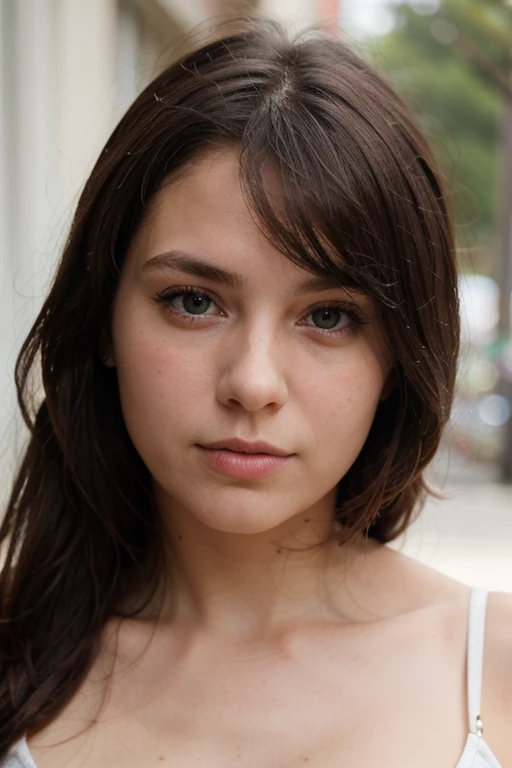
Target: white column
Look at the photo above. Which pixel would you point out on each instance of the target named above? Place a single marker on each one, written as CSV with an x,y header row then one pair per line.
x,y
28,118
34,148
7,257
86,60
128,56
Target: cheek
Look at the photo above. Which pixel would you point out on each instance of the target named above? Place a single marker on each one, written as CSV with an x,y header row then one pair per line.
x,y
352,389
342,405
159,378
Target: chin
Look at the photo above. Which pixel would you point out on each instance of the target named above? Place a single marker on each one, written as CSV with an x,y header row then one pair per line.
x,y
239,523
234,510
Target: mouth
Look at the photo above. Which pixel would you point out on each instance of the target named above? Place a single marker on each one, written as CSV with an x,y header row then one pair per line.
x,y
235,445
225,459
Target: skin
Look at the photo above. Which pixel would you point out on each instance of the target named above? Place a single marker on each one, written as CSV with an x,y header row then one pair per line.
x,y
259,656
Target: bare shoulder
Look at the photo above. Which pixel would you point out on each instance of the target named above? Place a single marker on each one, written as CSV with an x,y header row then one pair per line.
x,y
71,727
497,676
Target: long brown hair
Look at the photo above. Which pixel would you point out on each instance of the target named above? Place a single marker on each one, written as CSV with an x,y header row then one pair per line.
x,y
362,200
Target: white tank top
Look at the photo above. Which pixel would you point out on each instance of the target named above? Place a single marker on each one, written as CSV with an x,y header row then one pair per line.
x,y
476,752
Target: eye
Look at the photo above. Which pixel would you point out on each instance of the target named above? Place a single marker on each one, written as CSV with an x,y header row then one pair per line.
x,y
327,318
336,318
193,303
187,302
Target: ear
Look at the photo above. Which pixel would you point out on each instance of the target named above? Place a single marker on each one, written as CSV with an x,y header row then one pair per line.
x,y
389,385
105,351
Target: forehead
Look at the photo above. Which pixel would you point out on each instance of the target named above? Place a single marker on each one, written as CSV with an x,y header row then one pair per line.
x,y
211,185
203,210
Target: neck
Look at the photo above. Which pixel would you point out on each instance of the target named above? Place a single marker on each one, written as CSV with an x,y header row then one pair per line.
x,y
241,586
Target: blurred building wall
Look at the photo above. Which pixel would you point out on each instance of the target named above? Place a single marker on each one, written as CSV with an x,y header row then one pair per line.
x,y
68,71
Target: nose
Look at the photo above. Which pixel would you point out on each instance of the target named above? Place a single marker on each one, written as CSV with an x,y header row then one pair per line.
x,y
252,372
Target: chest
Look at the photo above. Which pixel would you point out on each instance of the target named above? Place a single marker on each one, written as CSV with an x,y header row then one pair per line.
x,y
328,703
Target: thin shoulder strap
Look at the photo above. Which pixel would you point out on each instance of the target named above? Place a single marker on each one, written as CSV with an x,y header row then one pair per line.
x,y
475,657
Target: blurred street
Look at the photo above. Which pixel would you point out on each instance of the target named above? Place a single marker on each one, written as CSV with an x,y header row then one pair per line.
x,y
469,534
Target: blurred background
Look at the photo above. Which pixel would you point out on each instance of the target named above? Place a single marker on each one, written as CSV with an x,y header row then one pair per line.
x,y
70,68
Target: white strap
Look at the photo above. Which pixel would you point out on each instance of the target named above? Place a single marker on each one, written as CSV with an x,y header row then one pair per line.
x,y
476,631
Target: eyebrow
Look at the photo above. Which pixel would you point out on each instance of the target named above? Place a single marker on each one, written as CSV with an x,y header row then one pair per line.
x,y
192,265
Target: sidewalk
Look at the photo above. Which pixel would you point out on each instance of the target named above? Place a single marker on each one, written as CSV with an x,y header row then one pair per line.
x,y
469,534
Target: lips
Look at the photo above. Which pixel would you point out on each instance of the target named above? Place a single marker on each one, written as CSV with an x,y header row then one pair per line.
x,y
240,460
243,446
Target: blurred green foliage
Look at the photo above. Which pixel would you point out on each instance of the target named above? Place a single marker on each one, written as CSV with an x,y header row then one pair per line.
x,y
453,66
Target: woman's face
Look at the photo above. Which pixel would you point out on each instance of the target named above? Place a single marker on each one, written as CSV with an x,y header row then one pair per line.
x,y
215,337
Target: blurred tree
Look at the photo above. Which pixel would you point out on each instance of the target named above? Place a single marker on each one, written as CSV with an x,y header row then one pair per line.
x,y
483,37
459,109
454,58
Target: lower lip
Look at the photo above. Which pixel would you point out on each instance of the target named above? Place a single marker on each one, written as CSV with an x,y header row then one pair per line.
x,y
245,466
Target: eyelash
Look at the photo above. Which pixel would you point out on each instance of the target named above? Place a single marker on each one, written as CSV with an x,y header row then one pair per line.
x,y
356,317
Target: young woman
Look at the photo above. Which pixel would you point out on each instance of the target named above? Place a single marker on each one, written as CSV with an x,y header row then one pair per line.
x,y
248,356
